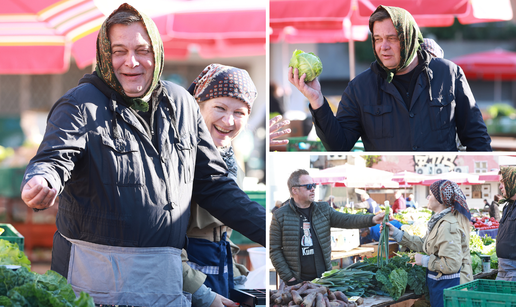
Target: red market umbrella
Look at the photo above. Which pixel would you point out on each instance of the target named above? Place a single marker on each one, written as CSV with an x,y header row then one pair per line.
x,y
489,176
40,37
233,29
406,178
496,64
330,21
458,178
348,175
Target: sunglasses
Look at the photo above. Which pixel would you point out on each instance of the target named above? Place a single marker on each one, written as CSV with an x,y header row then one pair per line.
x,y
308,186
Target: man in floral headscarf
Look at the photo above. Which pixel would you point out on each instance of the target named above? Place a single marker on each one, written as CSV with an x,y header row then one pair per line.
x,y
409,99
127,152
506,238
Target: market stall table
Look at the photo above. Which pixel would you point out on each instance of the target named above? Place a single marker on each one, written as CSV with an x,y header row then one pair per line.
x,y
382,301
355,253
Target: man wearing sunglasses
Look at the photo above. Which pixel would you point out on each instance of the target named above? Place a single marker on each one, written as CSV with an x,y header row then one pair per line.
x,y
300,238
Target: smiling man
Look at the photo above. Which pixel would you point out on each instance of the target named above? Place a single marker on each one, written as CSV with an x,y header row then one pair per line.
x,y
408,100
300,238
127,153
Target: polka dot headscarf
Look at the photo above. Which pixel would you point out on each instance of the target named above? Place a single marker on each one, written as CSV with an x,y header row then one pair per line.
x,y
218,80
449,194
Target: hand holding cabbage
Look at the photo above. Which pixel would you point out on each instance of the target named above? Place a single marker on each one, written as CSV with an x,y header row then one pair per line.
x,y
306,63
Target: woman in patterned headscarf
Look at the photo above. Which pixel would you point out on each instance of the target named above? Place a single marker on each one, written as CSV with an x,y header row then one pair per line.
x,y
446,243
505,239
225,95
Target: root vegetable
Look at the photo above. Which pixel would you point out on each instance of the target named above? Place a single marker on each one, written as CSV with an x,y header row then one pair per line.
x,y
341,296
309,300
296,297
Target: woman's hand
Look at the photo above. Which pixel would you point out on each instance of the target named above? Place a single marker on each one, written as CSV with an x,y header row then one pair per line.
x,y
391,227
311,90
221,301
276,124
419,259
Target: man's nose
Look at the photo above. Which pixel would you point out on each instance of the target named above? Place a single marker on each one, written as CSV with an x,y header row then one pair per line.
x,y
131,60
385,44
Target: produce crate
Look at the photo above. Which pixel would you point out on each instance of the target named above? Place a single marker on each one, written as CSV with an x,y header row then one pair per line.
x,y
10,181
481,292
12,235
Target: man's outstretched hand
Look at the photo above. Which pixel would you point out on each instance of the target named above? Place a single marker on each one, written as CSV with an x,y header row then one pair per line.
x,y
37,194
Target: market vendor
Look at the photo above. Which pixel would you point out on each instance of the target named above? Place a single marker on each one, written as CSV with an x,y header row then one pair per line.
x,y
126,153
505,239
226,114
446,243
300,237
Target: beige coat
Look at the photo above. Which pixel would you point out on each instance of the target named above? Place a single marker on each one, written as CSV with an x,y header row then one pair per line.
x,y
447,246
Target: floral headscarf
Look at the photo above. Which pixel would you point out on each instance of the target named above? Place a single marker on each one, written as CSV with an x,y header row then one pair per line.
x,y
218,80
408,33
509,181
451,196
104,66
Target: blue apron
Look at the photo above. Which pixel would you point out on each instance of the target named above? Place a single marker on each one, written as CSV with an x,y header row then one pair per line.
x,y
437,286
215,260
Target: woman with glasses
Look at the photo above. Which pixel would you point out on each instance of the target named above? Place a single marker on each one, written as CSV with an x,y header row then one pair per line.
x,y
225,96
300,236
446,244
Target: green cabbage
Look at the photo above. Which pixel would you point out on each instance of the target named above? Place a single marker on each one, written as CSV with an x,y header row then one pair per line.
x,y
22,288
306,63
10,254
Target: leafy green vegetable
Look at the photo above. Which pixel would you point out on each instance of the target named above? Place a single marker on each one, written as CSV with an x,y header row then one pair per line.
x,y
417,280
476,264
306,63
399,279
24,288
10,254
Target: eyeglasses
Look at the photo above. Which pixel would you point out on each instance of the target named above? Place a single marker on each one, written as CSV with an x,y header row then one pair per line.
x,y
308,186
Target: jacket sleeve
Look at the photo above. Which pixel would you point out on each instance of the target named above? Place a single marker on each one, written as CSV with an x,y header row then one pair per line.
x,y
63,144
220,195
276,251
337,133
471,128
350,221
192,279
449,246
414,243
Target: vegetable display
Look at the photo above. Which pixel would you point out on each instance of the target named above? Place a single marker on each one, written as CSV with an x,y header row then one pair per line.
x,y
25,288
366,278
306,63
10,254
486,223
308,294
482,246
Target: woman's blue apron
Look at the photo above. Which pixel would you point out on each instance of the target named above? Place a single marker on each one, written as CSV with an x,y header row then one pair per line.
x,y
215,260
436,286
